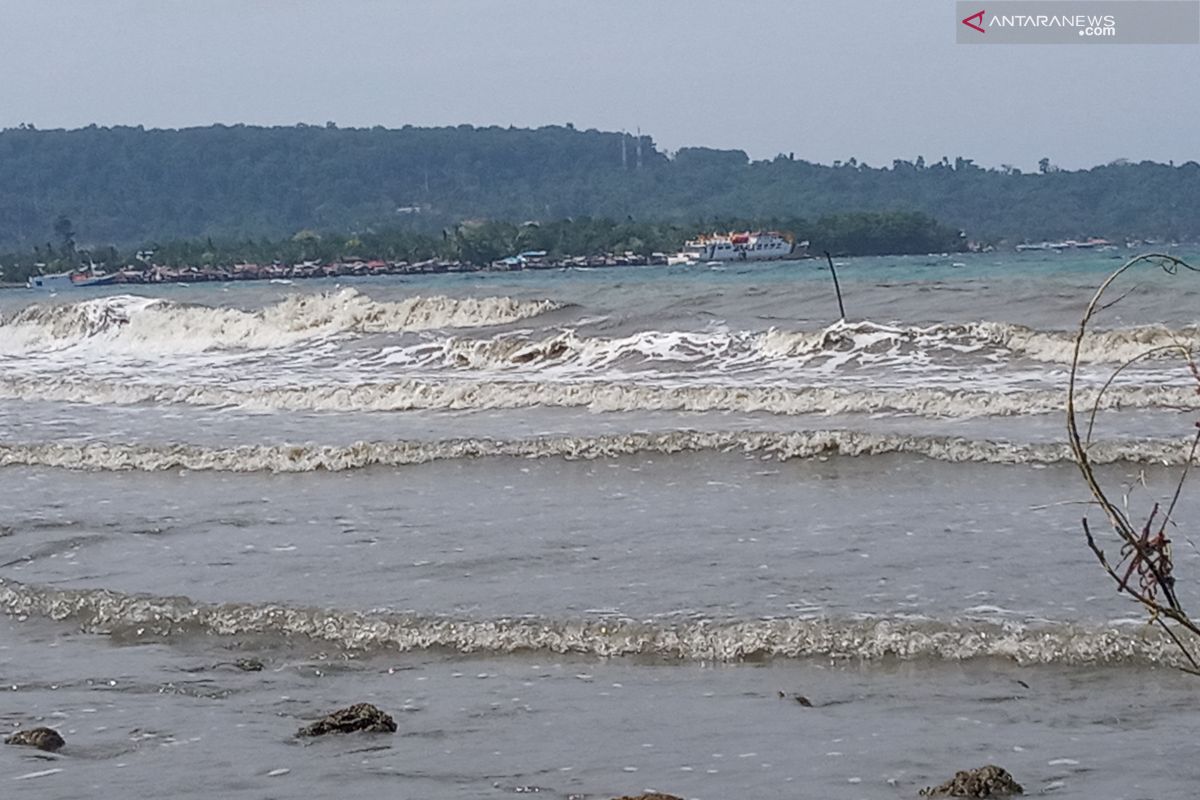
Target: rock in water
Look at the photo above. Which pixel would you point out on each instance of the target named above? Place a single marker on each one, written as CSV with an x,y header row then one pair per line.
x,y
358,717
46,739
249,665
650,796
989,781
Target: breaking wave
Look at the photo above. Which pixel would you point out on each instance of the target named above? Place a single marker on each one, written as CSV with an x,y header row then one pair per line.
x,y
1110,346
149,325
599,396
860,343
773,445
136,616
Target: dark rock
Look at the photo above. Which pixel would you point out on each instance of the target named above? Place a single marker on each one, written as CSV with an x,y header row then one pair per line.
x,y
249,665
799,698
650,796
989,781
46,739
358,717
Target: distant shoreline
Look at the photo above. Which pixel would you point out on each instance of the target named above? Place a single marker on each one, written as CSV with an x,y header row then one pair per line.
x,y
159,275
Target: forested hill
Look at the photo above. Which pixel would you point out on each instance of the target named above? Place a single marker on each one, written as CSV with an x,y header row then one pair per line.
x,y
129,185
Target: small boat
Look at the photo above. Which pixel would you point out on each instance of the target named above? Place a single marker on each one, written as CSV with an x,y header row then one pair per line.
x,y
68,280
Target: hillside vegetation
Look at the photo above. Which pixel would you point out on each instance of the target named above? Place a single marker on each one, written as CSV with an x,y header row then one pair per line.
x,y
126,186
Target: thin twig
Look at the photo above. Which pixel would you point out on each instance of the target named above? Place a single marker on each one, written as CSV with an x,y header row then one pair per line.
x,y
1187,352
1148,554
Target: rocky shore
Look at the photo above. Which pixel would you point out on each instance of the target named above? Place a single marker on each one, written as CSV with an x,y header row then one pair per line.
x,y
989,781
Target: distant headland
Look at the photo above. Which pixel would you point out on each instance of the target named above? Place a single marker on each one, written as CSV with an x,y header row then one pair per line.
x,y
128,188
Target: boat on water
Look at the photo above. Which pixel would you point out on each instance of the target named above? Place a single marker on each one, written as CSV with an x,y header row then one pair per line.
x,y
70,280
1068,244
739,246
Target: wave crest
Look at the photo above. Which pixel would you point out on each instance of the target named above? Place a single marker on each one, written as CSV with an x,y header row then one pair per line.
x,y
599,396
119,614
150,325
776,445
862,344
985,338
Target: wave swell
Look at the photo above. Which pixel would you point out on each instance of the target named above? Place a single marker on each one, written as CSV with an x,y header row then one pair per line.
x,y
145,325
772,445
599,396
1106,346
149,325
860,343
130,615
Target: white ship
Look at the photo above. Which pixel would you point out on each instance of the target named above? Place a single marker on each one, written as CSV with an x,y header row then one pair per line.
x,y
1069,244
746,246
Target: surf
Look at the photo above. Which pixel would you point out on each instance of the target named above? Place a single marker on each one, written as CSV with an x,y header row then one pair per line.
x,y
778,446
143,617
154,326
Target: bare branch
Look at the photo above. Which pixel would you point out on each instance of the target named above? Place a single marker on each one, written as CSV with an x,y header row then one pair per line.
x,y
1145,571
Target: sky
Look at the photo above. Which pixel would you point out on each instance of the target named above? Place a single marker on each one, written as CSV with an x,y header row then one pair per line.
x,y
824,79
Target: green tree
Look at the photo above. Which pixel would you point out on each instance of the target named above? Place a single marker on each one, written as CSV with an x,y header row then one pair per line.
x,y
127,185
65,230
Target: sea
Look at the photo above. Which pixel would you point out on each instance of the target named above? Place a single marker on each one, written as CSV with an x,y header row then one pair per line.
x,y
593,533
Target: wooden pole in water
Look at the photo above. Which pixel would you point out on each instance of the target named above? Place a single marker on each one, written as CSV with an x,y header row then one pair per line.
x,y
836,286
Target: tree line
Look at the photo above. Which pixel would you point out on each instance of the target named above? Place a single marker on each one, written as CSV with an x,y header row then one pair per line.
x,y
127,185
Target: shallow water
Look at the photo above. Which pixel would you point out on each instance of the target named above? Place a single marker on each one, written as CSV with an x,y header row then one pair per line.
x,y
151,719
577,530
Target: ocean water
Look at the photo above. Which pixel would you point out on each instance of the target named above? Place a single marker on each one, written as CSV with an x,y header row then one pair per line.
x,y
588,532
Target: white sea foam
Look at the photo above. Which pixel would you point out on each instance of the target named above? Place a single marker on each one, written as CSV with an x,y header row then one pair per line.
x,y
720,350
599,396
149,326
142,325
987,339
869,638
863,344
774,445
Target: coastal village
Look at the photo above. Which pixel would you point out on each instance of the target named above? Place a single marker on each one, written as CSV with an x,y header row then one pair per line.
x,y
701,250
155,273
710,249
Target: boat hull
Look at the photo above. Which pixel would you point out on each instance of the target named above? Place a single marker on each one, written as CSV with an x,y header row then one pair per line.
x,y
67,280
720,252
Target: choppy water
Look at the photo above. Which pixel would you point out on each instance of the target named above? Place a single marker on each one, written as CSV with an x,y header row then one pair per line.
x,y
577,530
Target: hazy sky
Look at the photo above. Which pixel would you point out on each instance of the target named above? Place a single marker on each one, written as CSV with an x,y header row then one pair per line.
x,y
825,79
